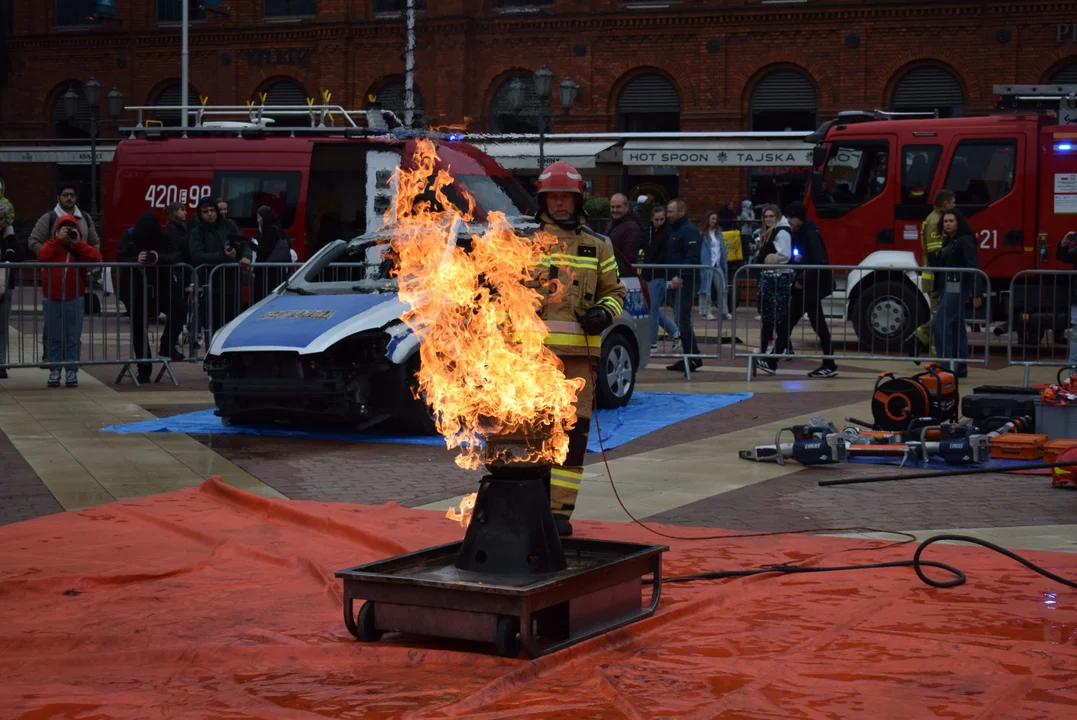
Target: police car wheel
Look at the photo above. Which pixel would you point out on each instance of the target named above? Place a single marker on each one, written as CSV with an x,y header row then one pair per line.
x,y
616,372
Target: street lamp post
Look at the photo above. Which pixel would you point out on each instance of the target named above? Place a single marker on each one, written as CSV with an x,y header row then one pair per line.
x,y
114,102
543,79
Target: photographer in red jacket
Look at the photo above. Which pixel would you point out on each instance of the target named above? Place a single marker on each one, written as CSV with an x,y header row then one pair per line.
x,y
62,288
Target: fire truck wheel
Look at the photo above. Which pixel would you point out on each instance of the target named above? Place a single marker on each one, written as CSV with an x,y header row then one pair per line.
x,y
507,637
886,315
616,372
365,625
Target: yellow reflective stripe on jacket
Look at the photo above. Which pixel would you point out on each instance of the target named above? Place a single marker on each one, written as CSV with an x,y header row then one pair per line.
x,y
576,261
571,340
928,276
608,264
565,478
613,304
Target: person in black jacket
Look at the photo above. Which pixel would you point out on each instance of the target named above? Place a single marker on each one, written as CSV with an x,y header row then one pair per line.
x,y
154,288
958,251
1067,253
685,247
653,252
11,251
271,245
809,289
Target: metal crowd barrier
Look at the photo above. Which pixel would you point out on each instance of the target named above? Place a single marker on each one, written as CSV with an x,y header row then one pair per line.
x,y
881,313
699,306
1041,320
128,315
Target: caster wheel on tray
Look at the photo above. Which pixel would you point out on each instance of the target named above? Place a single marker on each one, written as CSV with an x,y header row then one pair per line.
x,y
365,625
507,638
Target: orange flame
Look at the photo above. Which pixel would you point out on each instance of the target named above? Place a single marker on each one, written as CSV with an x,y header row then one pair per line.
x,y
462,513
484,368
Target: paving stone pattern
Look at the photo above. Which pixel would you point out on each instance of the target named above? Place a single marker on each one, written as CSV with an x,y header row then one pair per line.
x,y
22,494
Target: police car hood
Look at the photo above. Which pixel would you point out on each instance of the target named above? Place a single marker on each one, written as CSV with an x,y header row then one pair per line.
x,y
307,323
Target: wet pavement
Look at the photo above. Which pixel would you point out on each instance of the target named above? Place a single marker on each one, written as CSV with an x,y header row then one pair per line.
x,y
687,473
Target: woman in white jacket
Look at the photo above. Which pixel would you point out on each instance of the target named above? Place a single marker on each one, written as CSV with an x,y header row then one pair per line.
x,y
713,253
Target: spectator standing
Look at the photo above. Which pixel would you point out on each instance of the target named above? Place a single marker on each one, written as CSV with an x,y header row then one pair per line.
x,y
713,253
1067,253
222,211
67,199
727,216
62,289
685,248
155,288
10,252
747,218
931,243
654,253
213,243
624,230
5,204
775,248
270,245
809,289
958,251
176,228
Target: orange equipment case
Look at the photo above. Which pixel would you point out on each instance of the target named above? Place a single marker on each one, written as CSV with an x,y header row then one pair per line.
x,y
1018,446
1053,449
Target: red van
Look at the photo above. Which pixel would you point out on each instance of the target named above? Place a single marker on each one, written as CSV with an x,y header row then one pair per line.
x,y
322,186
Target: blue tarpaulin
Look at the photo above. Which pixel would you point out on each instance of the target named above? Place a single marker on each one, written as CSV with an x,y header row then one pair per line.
x,y
646,413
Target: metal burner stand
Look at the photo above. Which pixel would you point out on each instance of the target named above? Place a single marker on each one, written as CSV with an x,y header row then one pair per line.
x,y
511,581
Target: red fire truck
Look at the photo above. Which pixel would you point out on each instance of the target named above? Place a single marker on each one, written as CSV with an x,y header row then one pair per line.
x,y
1014,175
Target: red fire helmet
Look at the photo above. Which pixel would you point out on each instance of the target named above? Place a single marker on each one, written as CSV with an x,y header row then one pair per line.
x,y
561,177
1063,475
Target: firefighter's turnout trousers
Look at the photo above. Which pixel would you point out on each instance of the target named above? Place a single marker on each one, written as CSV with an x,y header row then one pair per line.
x,y
565,479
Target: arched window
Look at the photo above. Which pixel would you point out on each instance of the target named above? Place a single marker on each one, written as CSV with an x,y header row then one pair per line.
x,y
649,103
287,92
929,89
1065,75
783,100
390,97
76,128
170,96
504,117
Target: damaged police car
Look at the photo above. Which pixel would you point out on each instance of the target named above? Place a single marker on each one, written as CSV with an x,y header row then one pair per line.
x,y
329,346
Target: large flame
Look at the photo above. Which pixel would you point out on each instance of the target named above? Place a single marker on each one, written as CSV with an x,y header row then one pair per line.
x,y
463,513
484,370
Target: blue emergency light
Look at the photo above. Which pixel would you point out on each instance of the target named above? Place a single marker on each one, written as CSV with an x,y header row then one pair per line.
x,y
1064,146
796,252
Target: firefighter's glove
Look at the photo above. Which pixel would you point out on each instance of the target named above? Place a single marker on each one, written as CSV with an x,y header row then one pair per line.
x,y
595,320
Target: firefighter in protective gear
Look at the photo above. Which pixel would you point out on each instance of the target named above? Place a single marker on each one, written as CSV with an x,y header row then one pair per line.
x,y
931,242
586,298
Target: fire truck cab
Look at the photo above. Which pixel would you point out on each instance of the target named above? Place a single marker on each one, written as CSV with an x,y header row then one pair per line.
x,y
873,183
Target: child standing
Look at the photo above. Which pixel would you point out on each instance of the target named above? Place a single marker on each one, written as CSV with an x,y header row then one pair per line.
x,y
62,289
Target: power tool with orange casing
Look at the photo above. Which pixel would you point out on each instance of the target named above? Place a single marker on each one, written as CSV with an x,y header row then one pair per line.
x,y
897,402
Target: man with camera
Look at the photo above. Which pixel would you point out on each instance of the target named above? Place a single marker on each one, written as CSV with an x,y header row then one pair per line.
x,y
62,289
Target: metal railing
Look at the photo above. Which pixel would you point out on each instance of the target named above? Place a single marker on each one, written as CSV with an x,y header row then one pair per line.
x,y
68,315
884,313
1040,313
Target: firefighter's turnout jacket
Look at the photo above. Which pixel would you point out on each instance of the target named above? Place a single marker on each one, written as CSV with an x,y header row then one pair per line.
x,y
931,242
585,267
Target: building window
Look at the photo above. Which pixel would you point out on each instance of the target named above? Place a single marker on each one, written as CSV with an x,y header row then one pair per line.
x,y
649,103
391,97
385,7
172,11
171,97
290,94
76,12
78,127
1066,75
289,8
505,118
783,100
928,90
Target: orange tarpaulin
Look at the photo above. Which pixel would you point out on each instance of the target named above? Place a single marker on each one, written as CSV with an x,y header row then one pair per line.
x,y
214,603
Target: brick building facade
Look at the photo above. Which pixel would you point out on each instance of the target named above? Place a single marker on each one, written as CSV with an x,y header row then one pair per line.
x,y
730,64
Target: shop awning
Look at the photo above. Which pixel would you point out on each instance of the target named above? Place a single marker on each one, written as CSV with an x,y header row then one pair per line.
x,y
525,155
781,152
61,154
